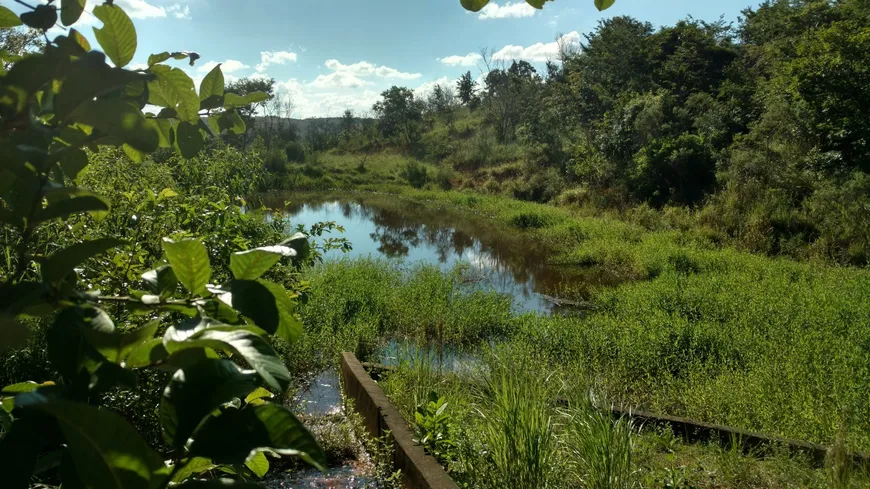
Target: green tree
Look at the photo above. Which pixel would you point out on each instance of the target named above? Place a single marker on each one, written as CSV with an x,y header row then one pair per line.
x,y
466,88
244,87
399,115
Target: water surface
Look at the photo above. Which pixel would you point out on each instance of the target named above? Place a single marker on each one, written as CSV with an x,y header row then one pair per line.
x,y
408,232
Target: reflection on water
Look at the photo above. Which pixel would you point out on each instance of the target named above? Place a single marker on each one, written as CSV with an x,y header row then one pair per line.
x,y
398,229
321,397
346,476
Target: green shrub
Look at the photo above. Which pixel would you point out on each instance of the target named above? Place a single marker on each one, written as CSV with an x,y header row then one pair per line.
x,y
529,220
275,162
415,174
295,152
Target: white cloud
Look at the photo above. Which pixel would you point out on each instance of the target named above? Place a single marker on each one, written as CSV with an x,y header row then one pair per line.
x,y
179,11
275,58
508,10
364,68
140,9
228,66
539,52
339,79
423,90
470,59
309,102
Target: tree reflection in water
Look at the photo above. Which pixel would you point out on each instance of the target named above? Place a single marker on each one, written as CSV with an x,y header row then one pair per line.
x,y
400,229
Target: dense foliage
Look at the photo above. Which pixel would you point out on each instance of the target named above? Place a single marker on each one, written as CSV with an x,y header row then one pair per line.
x,y
174,383
759,128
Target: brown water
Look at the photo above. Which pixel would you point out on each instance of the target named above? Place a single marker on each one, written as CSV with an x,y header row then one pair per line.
x,y
409,232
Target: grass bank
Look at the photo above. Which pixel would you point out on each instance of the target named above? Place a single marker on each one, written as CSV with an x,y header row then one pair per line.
x,y
696,329
764,379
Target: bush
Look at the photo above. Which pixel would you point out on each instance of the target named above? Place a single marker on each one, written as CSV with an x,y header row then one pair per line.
x,y
415,174
275,162
443,178
529,220
295,152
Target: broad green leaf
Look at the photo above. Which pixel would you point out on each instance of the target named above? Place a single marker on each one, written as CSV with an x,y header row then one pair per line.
x,y
8,18
196,465
119,119
233,100
257,302
72,162
251,264
58,265
256,97
212,85
165,131
188,139
194,392
107,451
173,88
231,122
74,205
116,346
71,10
69,353
236,436
299,242
474,5
267,305
604,4
258,464
158,58
79,38
146,353
21,387
118,36
255,350
132,153
162,280
189,260
43,17
289,326
257,396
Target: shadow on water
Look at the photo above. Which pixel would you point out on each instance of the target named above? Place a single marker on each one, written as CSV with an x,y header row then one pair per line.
x,y
397,229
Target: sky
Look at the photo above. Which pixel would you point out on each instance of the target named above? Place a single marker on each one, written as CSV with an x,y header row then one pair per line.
x,y
331,55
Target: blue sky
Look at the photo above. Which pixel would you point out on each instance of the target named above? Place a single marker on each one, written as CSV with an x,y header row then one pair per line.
x,y
328,55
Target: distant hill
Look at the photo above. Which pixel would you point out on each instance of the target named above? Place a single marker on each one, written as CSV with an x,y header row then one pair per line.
x,y
302,125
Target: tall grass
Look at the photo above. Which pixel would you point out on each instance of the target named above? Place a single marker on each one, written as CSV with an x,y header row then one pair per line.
x,y
518,429
599,448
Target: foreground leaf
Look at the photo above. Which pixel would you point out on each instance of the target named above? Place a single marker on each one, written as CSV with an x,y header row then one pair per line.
x,y
189,260
71,10
120,119
251,264
196,391
118,36
255,350
8,18
236,436
107,451
474,5
58,265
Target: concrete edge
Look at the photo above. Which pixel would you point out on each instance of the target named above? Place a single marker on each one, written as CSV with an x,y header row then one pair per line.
x,y
419,470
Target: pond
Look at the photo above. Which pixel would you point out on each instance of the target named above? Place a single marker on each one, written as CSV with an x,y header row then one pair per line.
x,y
401,230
